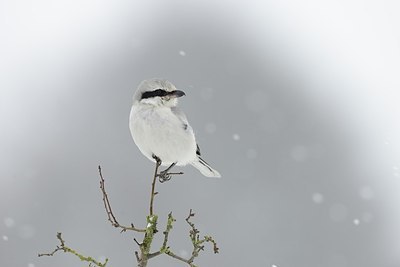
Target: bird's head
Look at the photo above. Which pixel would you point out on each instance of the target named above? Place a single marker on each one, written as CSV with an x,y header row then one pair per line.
x,y
157,92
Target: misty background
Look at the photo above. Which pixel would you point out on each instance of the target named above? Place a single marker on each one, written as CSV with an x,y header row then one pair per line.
x,y
295,103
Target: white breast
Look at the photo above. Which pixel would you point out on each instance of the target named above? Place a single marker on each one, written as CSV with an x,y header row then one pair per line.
x,y
158,131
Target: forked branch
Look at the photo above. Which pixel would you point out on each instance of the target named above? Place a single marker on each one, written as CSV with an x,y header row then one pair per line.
x,y
109,211
144,254
63,247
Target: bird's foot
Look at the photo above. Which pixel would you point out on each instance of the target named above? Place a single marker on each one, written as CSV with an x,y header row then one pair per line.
x,y
165,176
157,159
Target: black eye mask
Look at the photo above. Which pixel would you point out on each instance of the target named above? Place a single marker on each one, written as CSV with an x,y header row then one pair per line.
x,y
157,92
161,93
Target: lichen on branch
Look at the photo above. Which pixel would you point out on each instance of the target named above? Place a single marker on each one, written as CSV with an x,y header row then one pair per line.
x,y
64,248
144,254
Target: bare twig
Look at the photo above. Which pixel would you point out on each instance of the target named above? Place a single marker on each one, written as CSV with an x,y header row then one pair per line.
x,y
109,211
64,248
137,256
153,184
196,241
194,236
144,254
61,247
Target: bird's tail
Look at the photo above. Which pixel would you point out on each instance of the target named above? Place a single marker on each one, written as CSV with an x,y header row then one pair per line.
x,y
204,168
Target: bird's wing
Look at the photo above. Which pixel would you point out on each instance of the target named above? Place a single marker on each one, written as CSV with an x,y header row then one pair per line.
x,y
179,113
198,150
182,117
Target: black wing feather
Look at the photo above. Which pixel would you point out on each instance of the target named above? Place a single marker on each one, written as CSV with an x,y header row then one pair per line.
x,y
198,150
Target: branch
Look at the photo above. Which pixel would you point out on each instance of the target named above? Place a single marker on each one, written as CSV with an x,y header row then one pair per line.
x,y
194,236
170,221
153,184
149,232
196,241
64,248
110,214
164,248
145,246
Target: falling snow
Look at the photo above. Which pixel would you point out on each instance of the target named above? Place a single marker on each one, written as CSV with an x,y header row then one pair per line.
x,y
337,200
318,198
9,222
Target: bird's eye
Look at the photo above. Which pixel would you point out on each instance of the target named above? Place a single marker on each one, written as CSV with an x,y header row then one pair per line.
x,y
160,92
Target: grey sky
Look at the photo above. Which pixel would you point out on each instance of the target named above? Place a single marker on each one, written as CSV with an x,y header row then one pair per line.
x,y
295,103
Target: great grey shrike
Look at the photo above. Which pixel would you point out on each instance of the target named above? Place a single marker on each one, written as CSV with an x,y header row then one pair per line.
x,y
161,130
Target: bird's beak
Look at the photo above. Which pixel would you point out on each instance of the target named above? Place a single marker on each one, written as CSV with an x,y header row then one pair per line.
x,y
177,93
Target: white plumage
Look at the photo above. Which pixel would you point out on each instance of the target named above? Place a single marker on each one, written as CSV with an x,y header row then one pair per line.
x,y
159,128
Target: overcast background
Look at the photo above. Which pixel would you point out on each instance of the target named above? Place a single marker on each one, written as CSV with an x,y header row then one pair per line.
x,y
296,103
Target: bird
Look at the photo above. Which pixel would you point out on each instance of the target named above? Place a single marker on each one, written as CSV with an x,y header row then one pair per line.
x,y
161,130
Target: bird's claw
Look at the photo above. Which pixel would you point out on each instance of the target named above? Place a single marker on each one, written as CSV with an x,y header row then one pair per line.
x,y
165,176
